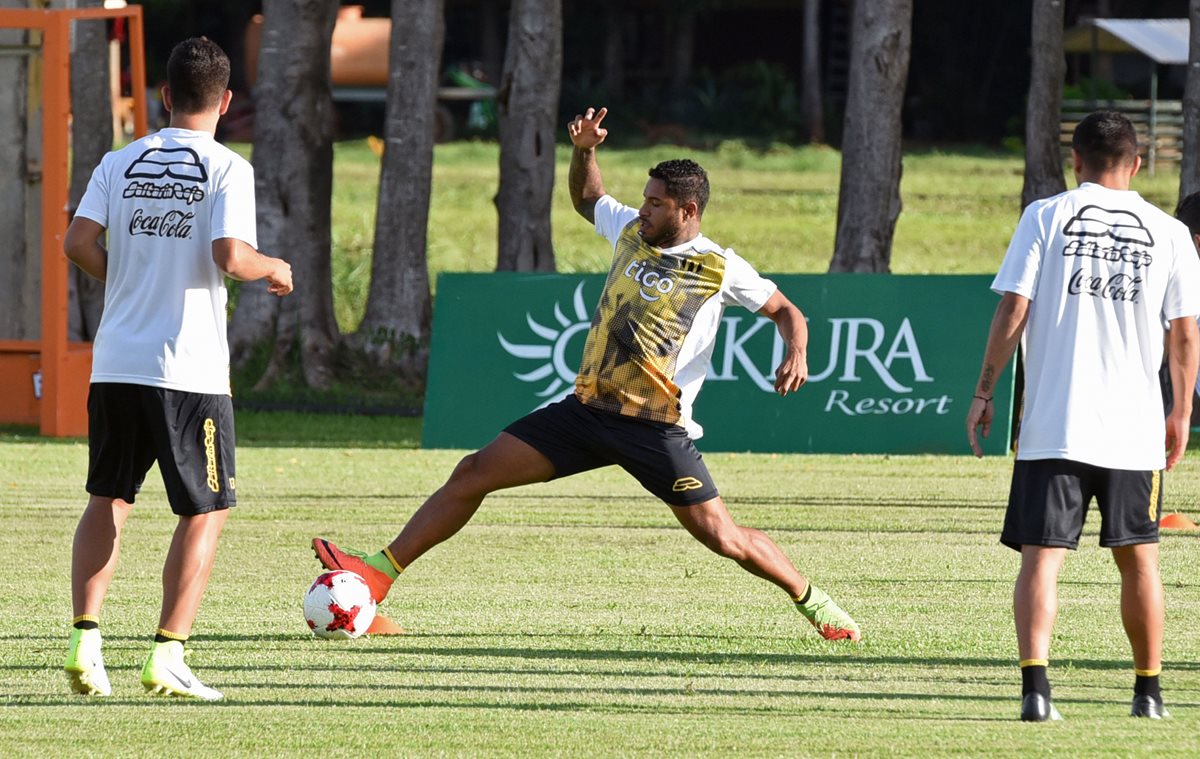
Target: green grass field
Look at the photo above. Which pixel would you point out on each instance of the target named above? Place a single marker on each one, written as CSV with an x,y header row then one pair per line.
x,y
576,618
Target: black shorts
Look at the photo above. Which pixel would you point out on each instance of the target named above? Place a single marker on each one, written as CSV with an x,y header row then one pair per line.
x,y
190,435
577,439
1049,498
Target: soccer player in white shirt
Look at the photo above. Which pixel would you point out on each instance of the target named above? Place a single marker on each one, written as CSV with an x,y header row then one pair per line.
x,y
643,364
179,211
1089,278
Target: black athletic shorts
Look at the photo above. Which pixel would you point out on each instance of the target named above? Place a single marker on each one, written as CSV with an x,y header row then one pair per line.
x,y
1049,498
190,435
577,439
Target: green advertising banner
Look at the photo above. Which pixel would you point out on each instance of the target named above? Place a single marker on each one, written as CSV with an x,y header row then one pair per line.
x,y
892,362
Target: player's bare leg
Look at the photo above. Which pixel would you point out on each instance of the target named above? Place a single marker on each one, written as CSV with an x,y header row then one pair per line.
x,y
94,555
1035,599
1141,602
95,552
187,569
1142,615
503,463
711,524
1035,607
506,462
185,577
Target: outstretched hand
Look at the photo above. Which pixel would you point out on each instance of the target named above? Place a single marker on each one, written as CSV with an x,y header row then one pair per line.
x,y
585,131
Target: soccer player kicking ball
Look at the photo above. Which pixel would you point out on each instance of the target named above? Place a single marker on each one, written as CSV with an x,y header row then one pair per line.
x,y
179,210
643,364
1088,278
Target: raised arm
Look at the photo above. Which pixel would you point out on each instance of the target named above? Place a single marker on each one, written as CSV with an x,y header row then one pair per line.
x,y
83,248
793,371
241,261
1007,325
584,177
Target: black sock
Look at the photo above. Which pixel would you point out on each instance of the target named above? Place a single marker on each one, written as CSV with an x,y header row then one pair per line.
x,y
87,624
1147,686
160,638
1034,680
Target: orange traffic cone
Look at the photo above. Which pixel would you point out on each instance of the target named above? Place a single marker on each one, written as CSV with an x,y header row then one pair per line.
x,y
381,625
1177,522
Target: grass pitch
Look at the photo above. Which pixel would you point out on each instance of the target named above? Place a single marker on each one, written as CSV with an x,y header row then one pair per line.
x,y
576,618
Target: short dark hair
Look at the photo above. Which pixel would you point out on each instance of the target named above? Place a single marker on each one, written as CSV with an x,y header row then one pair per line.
x,y
685,180
198,75
1188,211
1104,140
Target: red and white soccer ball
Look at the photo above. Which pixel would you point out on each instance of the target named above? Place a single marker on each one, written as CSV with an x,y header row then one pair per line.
x,y
339,605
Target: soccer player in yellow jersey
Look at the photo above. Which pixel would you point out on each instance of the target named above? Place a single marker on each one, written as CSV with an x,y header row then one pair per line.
x,y
643,364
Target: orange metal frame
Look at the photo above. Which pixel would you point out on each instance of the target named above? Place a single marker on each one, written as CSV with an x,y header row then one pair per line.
x,y
65,367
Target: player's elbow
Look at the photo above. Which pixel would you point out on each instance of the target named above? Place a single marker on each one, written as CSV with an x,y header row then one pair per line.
x,y
230,256
585,207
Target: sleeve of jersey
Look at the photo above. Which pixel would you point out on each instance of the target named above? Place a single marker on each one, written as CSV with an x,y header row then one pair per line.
x,y
1023,261
94,203
743,285
1183,288
233,205
612,217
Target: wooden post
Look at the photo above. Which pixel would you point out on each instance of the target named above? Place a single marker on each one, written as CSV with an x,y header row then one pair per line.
x,y
1152,149
64,367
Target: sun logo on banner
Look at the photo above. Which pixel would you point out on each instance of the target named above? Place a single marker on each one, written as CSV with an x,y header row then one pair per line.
x,y
554,370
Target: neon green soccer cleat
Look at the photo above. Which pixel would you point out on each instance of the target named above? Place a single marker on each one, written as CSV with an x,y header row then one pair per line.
x,y
85,664
829,619
166,674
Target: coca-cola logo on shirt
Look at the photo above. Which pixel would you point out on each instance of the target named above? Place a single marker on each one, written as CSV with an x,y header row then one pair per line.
x,y
176,225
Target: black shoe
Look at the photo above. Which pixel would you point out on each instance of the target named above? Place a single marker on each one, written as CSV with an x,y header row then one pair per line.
x,y
1037,708
1148,706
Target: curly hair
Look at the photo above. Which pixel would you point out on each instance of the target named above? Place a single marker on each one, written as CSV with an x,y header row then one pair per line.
x,y
686,181
198,75
1188,211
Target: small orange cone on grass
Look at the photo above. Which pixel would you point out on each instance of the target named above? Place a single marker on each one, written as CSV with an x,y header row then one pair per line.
x,y
1177,522
381,625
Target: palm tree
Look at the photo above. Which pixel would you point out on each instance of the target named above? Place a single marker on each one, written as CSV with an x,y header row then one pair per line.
x,y
395,327
869,193
528,113
1043,156
293,173
1189,171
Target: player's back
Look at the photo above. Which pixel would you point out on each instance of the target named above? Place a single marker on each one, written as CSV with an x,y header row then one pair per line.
x,y
164,199
1102,268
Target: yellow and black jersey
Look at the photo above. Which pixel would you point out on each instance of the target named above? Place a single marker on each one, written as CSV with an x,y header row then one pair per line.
x,y
653,332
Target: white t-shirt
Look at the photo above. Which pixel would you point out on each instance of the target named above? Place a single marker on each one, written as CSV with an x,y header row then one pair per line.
x,y
648,348
1103,269
164,199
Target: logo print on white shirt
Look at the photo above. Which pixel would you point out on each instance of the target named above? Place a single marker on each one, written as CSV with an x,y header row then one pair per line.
x,y
655,283
177,163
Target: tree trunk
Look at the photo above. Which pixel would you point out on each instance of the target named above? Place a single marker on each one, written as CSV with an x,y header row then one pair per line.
x,y
91,138
20,187
812,112
293,180
683,48
1043,156
613,77
528,111
395,328
869,194
491,33
1189,170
